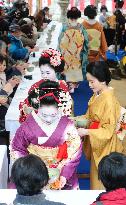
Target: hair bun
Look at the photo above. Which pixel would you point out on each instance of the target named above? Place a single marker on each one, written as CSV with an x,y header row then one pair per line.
x,y
73,13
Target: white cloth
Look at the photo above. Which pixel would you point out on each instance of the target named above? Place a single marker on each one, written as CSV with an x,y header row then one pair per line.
x,y
70,197
3,167
12,116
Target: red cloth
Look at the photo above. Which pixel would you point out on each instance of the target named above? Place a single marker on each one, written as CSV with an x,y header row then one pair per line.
x,y
94,125
62,153
117,197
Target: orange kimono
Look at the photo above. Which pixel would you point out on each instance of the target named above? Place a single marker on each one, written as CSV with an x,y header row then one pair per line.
x,y
97,41
103,112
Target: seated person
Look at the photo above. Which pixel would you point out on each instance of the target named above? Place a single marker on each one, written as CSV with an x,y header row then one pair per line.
x,y
39,20
17,67
51,65
112,173
6,88
48,17
27,36
30,176
50,135
16,49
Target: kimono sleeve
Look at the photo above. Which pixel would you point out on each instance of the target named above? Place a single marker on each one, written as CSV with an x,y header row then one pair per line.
x,y
74,152
103,47
84,52
20,142
64,27
103,140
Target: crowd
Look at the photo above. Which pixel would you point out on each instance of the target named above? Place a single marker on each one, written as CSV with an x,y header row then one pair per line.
x,y
48,145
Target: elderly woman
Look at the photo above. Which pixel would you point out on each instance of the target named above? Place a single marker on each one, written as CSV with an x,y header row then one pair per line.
x,y
50,135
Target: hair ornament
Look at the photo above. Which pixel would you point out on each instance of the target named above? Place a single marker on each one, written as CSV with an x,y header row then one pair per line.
x,y
54,56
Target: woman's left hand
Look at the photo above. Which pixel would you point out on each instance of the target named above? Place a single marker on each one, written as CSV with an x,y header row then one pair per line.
x,y
62,182
82,132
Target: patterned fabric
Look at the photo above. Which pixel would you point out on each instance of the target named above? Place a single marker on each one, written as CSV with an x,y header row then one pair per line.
x,y
27,140
105,109
73,44
97,41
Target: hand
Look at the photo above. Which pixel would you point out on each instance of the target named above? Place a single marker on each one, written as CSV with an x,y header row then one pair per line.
x,y
44,25
62,182
22,67
82,132
36,48
27,110
3,100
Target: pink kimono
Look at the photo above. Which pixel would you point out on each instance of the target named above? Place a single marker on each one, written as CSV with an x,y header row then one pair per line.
x,y
27,137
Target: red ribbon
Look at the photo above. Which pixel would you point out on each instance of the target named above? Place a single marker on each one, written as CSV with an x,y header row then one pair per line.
x,y
94,125
48,95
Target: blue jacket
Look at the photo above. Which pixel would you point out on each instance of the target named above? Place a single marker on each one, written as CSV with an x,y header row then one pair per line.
x,y
16,49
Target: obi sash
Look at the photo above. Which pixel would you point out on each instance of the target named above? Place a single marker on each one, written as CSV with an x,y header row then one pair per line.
x,y
94,125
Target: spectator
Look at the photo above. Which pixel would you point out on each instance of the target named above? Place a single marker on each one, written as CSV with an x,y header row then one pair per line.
x,y
6,88
112,173
103,16
16,49
48,17
4,24
39,20
30,176
27,36
31,22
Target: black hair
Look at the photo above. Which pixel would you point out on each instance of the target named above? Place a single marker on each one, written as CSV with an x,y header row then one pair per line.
x,y
100,70
31,17
46,9
90,11
46,60
119,3
27,29
73,13
112,171
3,58
51,87
29,174
103,7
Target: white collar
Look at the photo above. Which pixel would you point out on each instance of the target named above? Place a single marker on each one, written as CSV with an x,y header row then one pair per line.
x,y
91,21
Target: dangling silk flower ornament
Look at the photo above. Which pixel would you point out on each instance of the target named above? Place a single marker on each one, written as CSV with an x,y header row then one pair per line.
x,y
54,55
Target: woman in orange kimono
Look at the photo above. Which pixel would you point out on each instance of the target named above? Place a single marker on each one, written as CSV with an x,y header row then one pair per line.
x,y
100,137
97,41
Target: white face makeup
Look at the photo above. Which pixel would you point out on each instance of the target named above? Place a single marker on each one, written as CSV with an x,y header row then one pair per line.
x,y
48,113
2,66
94,83
48,73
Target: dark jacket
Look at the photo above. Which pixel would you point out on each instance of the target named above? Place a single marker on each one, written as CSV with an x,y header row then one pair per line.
x,y
16,49
116,197
38,199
